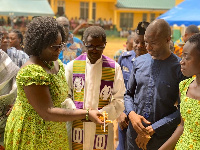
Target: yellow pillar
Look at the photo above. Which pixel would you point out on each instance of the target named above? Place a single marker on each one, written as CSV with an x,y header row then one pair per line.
x,y
115,18
90,9
56,6
53,5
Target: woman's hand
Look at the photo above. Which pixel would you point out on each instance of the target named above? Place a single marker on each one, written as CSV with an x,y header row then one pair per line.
x,y
94,116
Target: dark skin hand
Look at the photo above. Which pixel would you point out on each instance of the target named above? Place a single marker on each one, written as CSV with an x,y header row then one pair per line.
x,y
123,121
142,140
137,121
143,133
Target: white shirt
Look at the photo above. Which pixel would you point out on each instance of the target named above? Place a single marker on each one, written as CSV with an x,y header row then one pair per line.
x,y
93,76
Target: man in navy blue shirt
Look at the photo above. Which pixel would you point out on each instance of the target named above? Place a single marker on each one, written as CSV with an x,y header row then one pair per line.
x,y
126,62
152,91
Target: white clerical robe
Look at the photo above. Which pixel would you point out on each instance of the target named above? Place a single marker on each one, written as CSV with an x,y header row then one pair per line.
x,y
93,76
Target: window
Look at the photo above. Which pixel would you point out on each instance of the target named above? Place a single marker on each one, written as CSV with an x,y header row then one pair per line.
x,y
61,8
144,18
152,17
84,10
126,20
94,11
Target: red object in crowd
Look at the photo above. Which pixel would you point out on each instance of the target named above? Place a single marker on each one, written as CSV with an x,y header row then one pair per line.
x,y
2,148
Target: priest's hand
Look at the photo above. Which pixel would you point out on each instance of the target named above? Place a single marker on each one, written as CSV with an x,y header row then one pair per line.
x,y
123,121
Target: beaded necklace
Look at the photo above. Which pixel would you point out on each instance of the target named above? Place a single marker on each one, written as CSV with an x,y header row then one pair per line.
x,y
50,66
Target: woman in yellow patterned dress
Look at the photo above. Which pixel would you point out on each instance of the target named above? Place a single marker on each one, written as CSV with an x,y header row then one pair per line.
x,y
37,122
187,134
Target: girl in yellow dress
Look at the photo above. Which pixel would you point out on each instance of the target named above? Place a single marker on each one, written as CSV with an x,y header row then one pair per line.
x,y
187,134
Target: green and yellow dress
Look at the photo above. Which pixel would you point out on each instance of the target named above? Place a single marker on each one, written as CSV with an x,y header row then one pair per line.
x,y
25,129
190,112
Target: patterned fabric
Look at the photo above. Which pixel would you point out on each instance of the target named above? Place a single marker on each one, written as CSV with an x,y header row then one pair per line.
x,y
72,50
118,54
8,89
25,129
108,72
18,57
153,76
190,112
126,63
178,47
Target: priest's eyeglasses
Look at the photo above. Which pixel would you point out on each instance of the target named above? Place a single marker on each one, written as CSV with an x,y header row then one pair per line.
x,y
91,47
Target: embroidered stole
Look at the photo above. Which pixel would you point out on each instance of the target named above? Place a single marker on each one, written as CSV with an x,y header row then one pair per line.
x,y
105,95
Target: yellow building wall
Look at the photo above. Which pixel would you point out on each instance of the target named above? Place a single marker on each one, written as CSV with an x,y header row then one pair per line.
x,y
72,9
105,10
53,4
178,2
138,16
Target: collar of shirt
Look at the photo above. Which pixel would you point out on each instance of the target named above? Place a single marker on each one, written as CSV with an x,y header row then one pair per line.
x,y
98,61
128,53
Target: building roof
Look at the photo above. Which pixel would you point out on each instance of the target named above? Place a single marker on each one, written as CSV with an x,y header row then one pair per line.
x,y
25,8
145,4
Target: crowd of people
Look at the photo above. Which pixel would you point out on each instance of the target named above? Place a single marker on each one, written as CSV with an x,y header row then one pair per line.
x,y
55,88
106,24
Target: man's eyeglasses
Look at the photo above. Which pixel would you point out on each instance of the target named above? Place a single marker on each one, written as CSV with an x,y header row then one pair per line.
x,y
56,47
91,47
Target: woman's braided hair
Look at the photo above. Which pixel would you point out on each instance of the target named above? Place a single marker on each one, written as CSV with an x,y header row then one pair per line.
x,y
41,33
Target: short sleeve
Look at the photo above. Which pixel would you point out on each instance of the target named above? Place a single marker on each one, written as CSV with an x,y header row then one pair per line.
x,y
183,85
33,74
